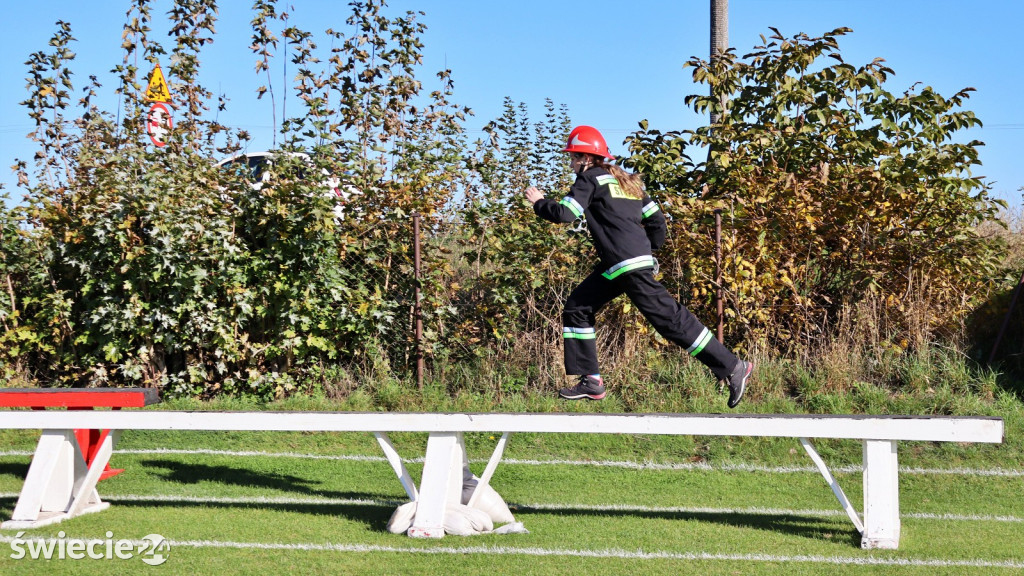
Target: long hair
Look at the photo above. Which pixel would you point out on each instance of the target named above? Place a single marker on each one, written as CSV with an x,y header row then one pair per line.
x,y
631,183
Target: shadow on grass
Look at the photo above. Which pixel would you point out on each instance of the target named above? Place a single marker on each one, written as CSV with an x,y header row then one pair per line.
x,y
377,509
16,470
374,516
183,473
812,527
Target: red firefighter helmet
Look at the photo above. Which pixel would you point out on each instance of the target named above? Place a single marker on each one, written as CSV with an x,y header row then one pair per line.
x,y
587,140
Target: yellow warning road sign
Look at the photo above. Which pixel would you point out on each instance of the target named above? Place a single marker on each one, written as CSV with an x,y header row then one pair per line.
x,y
157,90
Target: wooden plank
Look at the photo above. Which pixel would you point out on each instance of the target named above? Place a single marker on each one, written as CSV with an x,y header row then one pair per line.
x,y
914,428
78,397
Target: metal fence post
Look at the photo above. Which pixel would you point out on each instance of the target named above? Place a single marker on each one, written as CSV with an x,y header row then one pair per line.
x,y
719,294
417,312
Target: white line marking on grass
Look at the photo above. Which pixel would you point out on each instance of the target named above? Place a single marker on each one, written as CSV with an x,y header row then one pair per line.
x,y
757,511
256,500
617,553
609,553
345,457
699,466
606,553
728,467
290,500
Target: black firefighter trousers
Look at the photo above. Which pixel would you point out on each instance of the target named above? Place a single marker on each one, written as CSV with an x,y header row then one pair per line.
x,y
670,318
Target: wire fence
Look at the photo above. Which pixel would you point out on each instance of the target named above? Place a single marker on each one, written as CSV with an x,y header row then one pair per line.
x,y
438,289
450,309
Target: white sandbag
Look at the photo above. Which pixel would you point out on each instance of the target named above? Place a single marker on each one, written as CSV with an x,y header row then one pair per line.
x,y
462,520
492,503
459,520
488,500
512,528
401,518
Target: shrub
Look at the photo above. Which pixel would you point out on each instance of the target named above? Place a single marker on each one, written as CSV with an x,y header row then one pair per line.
x,y
833,190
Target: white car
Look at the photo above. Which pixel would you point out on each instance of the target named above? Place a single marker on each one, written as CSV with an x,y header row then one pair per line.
x,y
257,169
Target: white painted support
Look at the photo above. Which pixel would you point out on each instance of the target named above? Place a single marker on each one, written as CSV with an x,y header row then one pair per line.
x,y
833,484
492,465
396,464
49,480
441,483
881,495
58,485
913,428
85,495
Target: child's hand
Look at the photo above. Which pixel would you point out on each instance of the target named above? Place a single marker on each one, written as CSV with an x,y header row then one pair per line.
x,y
533,194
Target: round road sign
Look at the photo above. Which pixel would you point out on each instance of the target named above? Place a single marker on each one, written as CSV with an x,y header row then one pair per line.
x,y
159,124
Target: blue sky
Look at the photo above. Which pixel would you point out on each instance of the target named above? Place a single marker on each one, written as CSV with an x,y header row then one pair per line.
x,y
612,63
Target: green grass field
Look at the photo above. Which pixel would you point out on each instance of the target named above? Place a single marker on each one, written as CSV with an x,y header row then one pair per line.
x,y
318,503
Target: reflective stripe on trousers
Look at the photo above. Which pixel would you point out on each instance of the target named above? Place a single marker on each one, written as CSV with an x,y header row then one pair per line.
x,y
670,318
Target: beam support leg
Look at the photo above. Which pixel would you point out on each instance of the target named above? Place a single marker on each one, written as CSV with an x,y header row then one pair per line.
x,y
59,485
881,495
834,484
441,483
396,464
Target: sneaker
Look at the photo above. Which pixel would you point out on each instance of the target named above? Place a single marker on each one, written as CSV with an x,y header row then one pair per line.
x,y
589,387
738,382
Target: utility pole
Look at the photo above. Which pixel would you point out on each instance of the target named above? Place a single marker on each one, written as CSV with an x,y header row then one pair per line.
x,y
719,44
719,35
